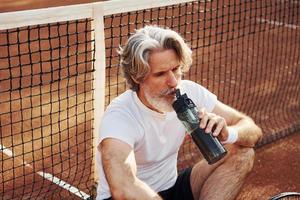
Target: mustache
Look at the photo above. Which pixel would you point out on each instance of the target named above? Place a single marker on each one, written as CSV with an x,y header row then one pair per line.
x,y
168,92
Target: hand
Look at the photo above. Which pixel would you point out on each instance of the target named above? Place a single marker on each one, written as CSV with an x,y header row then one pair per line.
x,y
216,124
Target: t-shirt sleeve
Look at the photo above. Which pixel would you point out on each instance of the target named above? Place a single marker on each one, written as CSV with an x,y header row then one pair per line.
x,y
201,96
121,126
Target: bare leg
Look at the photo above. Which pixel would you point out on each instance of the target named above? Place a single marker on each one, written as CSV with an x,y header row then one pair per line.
x,y
224,179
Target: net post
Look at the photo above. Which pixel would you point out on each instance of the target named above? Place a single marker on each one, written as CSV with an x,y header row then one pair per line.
x,y
99,77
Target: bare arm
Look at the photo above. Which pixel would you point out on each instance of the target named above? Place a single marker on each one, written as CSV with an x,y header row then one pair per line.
x,y
248,132
120,170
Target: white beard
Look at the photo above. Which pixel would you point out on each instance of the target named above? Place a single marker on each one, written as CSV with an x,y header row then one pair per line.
x,y
159,102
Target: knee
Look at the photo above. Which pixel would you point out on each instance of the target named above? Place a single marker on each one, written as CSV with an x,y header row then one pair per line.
x,y
242,158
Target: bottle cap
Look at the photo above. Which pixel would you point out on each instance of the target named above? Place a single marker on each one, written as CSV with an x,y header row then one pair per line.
x,y
180,104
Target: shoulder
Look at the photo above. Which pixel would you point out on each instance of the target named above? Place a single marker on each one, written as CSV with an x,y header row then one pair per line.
x,y
201,96
120,120
122,104
121,109
186,83
192,88
123,99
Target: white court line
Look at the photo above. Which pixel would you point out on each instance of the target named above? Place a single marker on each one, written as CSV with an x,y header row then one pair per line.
x,y
50,177
277,23
289,2
63,184
6,151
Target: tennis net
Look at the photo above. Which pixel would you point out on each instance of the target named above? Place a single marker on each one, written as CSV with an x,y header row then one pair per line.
x,y
46,110
57,75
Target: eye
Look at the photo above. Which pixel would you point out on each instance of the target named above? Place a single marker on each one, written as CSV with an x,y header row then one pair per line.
x,y
159,74
175,68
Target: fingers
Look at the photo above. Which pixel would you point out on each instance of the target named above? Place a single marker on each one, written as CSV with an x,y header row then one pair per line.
x,y
217,122
211,122
203,115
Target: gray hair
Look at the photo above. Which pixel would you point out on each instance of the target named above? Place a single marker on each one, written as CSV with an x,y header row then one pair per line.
x,y
135,54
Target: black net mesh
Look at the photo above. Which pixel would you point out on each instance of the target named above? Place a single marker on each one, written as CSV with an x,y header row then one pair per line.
x,y
246,52
46,111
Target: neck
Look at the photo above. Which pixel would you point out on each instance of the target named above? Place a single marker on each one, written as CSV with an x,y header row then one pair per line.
x,y
143,99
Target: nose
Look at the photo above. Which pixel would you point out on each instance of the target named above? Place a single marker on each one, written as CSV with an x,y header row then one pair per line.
x,y
172,79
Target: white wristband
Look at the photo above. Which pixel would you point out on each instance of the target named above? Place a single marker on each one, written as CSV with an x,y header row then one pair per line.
x,y
232,136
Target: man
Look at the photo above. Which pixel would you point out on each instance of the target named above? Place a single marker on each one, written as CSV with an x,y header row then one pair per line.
x,y
140,134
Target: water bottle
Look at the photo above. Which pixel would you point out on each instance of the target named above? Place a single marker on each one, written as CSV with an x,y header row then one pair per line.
x,y
210,147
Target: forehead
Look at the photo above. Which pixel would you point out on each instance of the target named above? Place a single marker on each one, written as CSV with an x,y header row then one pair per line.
x,y
161,60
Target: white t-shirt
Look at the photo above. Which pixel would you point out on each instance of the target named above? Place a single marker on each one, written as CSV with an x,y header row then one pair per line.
x,y
155,137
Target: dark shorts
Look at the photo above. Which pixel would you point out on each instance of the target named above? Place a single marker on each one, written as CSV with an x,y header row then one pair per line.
x,y
181,190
